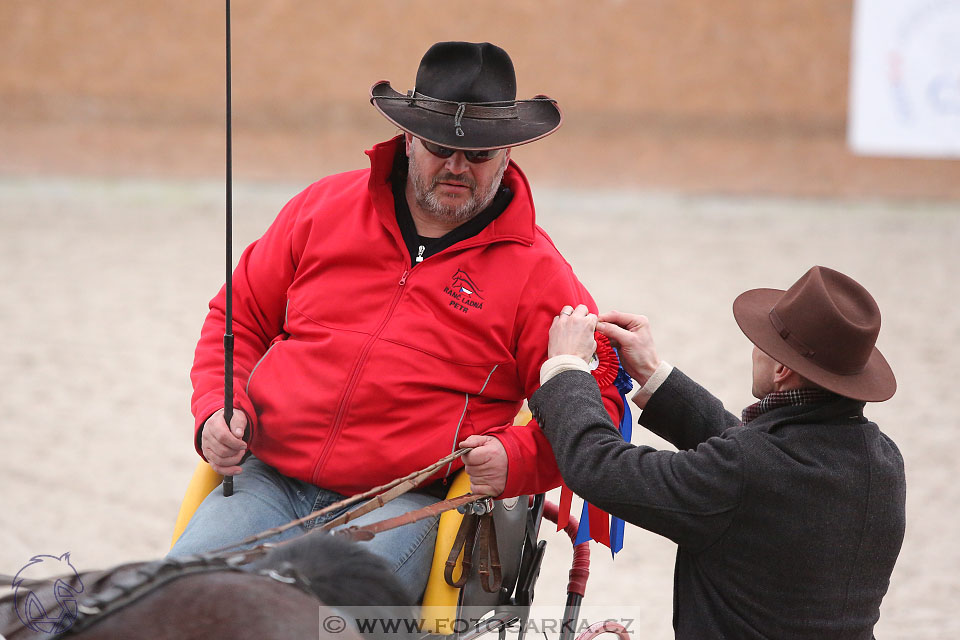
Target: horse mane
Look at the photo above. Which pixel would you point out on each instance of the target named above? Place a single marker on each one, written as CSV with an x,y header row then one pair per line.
x,y
196,599
341,573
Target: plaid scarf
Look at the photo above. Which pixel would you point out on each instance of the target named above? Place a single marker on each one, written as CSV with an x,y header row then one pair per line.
x,y
789,398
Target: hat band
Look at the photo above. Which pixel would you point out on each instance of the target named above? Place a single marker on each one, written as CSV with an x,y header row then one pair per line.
x,y
798,345
469,110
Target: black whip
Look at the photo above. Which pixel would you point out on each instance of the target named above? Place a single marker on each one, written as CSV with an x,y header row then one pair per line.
x,y
228,331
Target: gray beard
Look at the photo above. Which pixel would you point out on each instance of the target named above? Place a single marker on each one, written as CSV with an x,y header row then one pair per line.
x,y
431,204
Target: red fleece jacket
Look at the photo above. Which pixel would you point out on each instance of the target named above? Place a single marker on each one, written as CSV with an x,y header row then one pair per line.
x,y
355,368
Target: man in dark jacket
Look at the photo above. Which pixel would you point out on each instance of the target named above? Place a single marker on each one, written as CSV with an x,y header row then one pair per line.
x,y
788,524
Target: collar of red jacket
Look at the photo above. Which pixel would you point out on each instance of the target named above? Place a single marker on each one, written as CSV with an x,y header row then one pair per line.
x,y
517,222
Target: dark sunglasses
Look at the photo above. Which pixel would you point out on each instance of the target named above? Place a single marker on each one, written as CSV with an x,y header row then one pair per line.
x,y
476,157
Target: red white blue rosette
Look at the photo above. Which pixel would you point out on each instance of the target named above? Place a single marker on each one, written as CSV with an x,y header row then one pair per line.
x,y
605,364
595,523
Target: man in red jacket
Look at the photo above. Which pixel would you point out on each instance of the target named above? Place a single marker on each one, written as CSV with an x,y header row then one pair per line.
x,y
387,317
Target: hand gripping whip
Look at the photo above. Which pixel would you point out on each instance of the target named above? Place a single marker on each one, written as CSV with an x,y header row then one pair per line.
x,y
228,331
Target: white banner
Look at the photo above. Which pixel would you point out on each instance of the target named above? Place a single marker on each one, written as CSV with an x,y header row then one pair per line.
x,y
905,78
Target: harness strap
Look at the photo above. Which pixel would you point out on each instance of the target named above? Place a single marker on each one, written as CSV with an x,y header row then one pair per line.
x,y
488,564
367,532
378,501
463,542
477,536
416,477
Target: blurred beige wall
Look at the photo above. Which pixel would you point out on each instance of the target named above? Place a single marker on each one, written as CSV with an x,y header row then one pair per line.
x,y
722,97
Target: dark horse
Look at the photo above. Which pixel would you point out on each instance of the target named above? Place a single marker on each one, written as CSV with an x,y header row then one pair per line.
x,y
300,589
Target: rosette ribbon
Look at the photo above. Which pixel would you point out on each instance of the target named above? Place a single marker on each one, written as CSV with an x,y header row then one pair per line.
x,y
593,520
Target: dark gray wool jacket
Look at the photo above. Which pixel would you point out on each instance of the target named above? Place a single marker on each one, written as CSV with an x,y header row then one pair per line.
x,y
788,527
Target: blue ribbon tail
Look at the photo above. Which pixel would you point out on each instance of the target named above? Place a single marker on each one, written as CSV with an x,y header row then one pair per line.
x,y
616,536
583,531
616,524
624,385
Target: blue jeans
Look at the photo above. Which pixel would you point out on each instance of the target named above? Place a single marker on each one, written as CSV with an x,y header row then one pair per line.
x,y
263,499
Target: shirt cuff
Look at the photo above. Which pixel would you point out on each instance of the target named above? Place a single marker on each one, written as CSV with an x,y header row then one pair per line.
x,y
559,364
653,383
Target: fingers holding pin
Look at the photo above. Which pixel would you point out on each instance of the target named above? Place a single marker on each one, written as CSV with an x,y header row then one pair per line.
x,y
572,333
580,311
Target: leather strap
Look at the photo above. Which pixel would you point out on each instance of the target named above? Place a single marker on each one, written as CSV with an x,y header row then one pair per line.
x,y
367,532
463,542
477,536
488,564
506,111
407,484
373,503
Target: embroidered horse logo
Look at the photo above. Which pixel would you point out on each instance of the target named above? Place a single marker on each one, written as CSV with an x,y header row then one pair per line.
x,y
462,283
29,605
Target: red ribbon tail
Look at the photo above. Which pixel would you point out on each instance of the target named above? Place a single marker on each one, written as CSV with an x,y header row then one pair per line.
x,y
566,500
599,525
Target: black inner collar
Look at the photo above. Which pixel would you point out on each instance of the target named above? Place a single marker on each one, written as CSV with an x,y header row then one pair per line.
x,y
468,229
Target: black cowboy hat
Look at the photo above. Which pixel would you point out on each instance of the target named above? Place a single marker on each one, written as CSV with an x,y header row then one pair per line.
x,y
825,328
465,98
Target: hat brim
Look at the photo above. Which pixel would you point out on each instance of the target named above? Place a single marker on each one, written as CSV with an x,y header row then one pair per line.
x,y
751,309
535,120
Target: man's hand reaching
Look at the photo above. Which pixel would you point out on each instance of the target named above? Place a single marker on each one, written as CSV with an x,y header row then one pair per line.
x,y
572,333
630,334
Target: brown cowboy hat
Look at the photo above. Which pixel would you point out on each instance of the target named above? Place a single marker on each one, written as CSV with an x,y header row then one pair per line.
x,y
824,327
465,98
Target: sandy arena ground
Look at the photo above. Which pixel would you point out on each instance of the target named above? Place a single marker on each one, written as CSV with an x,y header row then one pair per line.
x,y
105,285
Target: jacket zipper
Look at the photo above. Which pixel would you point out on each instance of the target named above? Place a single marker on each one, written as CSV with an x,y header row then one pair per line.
x,y
354,377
